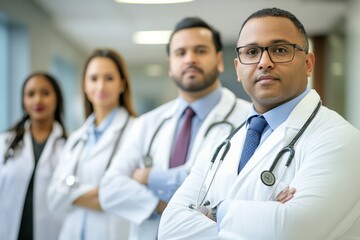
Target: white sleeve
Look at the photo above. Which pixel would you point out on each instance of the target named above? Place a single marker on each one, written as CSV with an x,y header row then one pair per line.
x,y
60,198
178,220
119,193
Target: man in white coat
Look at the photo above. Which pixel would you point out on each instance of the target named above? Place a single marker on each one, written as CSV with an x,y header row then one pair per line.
x,y
273,64
140,182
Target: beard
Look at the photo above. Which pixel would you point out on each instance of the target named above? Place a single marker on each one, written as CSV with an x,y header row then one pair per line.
x,y
196,84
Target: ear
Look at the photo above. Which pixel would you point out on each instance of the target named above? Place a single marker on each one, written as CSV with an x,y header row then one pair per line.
x,y
309,64
236,64
220,61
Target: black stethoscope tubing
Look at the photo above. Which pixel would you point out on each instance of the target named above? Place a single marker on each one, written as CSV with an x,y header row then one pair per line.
x,y
267,176
147,159
73,179
10,152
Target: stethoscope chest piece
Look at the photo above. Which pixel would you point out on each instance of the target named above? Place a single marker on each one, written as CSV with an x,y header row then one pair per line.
x,y
71,181
147,160
267,178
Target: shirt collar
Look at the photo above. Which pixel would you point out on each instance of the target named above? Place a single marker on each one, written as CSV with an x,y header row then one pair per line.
x,y
104,124
276,116
202,106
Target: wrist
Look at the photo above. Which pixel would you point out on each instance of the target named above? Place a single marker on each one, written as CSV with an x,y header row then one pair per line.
x,y
213,213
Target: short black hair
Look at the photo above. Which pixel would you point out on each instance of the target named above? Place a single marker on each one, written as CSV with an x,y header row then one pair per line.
x,y
276,12
193,22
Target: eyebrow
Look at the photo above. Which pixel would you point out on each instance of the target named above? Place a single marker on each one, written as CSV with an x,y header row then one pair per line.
x,y
192,47
276,41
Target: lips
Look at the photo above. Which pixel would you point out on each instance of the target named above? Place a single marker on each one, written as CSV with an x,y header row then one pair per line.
x,y
266,78
39,108
191,70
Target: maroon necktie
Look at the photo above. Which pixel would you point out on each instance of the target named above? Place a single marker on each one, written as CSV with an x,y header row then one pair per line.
x,y
181,146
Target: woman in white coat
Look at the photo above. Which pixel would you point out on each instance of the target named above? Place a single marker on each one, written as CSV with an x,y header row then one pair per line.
x,y
29,153
89,150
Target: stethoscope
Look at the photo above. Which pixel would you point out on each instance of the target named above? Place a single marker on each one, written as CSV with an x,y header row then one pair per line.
x,y
71,180
11,151
267,177
148,160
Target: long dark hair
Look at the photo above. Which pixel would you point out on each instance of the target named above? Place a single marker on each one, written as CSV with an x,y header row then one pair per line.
x,y
19,127
125,98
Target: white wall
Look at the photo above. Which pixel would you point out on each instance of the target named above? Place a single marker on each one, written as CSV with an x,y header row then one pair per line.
x,y
45,43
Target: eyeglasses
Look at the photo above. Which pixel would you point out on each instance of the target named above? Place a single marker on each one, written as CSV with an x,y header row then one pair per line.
x,y
278,53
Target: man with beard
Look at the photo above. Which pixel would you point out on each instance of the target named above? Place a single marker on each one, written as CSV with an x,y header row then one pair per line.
x,y
164,143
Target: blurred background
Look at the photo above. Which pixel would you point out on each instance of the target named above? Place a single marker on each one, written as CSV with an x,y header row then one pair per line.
x,y
57,36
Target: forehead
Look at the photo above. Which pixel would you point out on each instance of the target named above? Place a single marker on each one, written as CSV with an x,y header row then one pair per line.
x,y
267,30
191,37
101,64
38,81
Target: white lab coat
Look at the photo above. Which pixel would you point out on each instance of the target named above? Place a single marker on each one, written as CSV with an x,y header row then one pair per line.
x,y
96,225
15,176
324,172
120,194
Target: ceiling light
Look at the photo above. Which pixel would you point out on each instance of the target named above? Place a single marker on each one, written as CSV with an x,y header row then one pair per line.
x,y
152,37
153,1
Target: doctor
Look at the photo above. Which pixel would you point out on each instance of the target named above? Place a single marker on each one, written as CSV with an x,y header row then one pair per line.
x,y
273,64
89,151
29,153
144,176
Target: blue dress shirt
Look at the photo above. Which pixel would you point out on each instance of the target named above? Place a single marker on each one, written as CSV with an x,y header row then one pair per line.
x,y
164,183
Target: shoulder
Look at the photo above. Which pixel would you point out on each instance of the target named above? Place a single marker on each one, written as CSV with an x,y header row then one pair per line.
x,y
6,137
163,111
332,122
228,98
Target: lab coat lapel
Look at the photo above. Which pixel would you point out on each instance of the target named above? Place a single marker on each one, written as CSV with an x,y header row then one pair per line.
x,y
55,134
218,114
28,145
167,131
110,135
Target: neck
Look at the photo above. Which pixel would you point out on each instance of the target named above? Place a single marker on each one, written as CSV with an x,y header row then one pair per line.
x,y
191,97
40,130
101,114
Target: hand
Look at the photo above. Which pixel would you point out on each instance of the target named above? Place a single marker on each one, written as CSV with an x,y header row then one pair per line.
x,y
141,175
161,207
89,200
209,215
286,195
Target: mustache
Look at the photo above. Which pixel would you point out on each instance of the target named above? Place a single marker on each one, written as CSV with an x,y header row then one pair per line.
x,y
192,67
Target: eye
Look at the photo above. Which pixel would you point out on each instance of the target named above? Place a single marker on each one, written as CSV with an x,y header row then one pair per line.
x,y
281,49
201,50
45,92
179,53
93,78
252,51
30,93
108,77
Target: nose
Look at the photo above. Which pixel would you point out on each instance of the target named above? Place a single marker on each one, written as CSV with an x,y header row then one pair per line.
x,y
190,57
37,97
101,83
265,60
